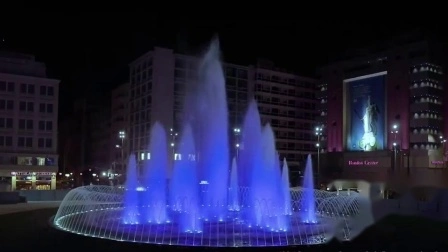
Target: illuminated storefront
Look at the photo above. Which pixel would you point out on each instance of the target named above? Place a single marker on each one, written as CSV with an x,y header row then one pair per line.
x,y
29,173
33,181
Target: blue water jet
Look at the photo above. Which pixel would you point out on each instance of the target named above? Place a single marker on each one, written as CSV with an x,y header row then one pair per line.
x,y
273,175
246,202
155,175
234,204
286,188
212,132
266,190
185,185
308,213
200,190
250,154
131,214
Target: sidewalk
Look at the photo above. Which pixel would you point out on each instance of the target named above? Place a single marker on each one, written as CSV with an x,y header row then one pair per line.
x,y
23,207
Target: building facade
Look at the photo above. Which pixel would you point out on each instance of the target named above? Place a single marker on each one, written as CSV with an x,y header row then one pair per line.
x,y
158,81
98,140
28,123
384,111
287,102
119,124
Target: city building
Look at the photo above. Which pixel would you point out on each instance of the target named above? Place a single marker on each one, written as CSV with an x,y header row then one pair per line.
x,y
69,145
119,123
28,123
286,100
384,110
98,140
93,137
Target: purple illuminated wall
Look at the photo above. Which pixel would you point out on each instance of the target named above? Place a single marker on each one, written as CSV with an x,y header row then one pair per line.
x,y
334,118
397,85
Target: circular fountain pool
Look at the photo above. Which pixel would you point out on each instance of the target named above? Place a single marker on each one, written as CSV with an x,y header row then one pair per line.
x,y
98,211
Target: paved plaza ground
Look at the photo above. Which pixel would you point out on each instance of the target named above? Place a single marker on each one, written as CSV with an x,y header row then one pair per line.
x,y
25,227
23,207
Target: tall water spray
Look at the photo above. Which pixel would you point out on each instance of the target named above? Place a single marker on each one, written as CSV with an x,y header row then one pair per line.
x,y
266,190
212,132
233,200
155,170
250,154
203,206
286,188
308,213
130,201
184,191
273,173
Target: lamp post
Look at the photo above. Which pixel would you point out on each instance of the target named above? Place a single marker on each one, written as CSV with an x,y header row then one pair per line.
x,y
173,140
394,131
443,141
121,136
237,132
318,132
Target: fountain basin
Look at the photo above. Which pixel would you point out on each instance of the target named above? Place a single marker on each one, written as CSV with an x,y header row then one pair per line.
x,y
98,211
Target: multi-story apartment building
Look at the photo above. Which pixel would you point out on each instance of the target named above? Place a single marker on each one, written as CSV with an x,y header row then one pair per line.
x,y
394,92
157,90
287,101
119,123
85,139
28,123
98,141
91,135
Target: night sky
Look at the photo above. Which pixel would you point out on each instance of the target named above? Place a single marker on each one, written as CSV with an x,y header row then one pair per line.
x,y
92,51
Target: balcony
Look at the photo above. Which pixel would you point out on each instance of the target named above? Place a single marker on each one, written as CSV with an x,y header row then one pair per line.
x,y
425,122
321,94
424,152
321,119
422,138
425,75
322,106
425,106
422,91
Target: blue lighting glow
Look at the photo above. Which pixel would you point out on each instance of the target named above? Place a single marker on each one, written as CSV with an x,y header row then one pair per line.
x,y
209,201
309,204
155,176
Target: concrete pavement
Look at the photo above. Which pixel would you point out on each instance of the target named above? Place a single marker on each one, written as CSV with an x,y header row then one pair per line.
x,y
23,207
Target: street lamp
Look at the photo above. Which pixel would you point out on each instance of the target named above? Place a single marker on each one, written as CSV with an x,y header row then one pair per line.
x,y
236,132
394,132
173,140
318,132
121,136
443,141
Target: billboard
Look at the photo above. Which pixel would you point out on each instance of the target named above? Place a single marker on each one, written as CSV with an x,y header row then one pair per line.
x,y
366,111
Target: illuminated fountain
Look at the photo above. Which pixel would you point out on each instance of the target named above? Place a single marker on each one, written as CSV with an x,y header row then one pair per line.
x,y
285,187
211,132
250,155
308,212
184,186
267,203
210,201
233,200
131,213
154,179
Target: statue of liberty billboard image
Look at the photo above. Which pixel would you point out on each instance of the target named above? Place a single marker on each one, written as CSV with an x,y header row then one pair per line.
x,y
367,114
369,121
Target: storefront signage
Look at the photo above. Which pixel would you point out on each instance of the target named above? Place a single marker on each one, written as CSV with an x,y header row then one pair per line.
x,y
31,173
437,162
363,163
